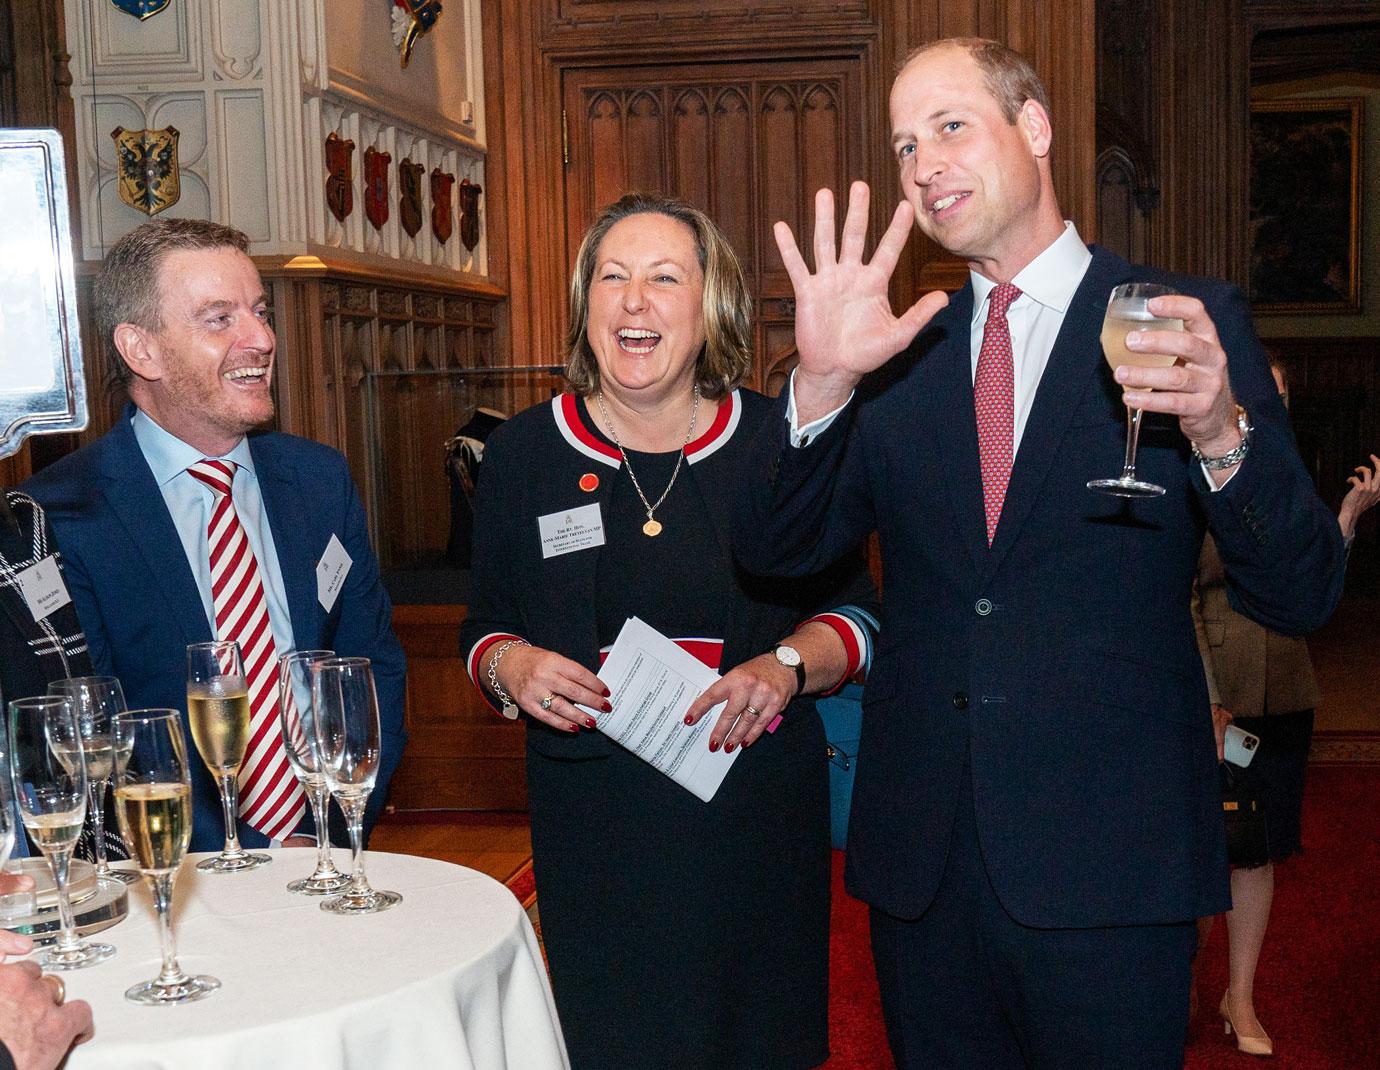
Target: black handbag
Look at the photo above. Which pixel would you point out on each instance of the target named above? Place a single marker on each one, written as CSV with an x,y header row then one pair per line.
x,y
1248,837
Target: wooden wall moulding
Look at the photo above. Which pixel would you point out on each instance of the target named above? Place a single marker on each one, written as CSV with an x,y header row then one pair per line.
x,y
705,19
460,754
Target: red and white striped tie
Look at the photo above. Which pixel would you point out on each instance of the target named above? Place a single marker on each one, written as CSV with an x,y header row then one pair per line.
x,y
271,799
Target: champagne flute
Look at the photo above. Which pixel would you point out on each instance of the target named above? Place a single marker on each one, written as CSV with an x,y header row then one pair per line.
x,y
1128,309
298,723
49,773
218,711
97,701
153,804
14,904
347,752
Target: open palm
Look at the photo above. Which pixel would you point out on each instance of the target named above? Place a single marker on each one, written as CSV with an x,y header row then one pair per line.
x,y
844,325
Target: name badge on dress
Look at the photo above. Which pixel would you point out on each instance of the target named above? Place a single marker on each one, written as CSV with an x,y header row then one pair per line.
x,y
331,571
42,588
571,530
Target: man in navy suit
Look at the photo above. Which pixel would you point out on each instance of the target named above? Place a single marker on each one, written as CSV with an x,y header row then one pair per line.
x,y
183,308
1036,819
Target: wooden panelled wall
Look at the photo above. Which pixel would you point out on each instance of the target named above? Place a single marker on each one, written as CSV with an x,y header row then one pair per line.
x,y
743,108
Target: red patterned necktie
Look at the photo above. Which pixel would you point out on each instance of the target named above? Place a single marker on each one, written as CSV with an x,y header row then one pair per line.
x,y
994,395
271,799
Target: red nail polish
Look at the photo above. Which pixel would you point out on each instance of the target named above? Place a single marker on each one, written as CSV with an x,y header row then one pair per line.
x,y
607,693
608,707
713,745
590,723
575,729
689,720
728,748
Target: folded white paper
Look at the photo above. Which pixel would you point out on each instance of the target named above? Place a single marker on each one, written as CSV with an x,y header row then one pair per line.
x,y
653,682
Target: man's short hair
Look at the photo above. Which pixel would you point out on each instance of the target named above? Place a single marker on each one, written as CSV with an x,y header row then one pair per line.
x,y
726,358
126,290
1010,78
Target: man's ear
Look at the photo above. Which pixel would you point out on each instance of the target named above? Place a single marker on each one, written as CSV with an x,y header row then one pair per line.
x,y
139,351
1034,123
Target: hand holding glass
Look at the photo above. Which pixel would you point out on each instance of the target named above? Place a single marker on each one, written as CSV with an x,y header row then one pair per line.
x,y
97,701
49,775
153,803
218,711
347,751
299,727
1128,309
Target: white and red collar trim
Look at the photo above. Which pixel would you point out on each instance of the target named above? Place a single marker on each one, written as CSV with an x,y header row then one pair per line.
x,y
571,424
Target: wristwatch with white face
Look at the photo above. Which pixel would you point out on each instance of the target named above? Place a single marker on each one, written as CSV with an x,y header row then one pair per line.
x,y
789,656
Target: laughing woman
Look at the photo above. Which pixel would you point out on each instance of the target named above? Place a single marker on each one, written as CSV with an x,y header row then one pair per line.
x,y
680,933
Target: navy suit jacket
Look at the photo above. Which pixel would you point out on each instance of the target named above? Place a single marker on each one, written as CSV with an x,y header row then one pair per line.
x,y
1059,665
138,601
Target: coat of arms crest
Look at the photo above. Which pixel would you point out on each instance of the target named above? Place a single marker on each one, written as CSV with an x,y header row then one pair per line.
x,y
441,217
469,214
146,162
376,186
340,176
410,196
412,19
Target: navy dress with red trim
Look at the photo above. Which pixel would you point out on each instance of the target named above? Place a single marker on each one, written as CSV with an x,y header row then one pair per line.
x,y
681,935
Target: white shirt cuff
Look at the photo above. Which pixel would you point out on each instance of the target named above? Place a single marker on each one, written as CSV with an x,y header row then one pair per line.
x,y
801,436
1212,483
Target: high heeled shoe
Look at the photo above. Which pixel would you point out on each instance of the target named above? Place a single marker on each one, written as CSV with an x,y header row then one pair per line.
x,y
1261,1045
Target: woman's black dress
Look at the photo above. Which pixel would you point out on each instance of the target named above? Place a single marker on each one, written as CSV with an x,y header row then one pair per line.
x,y
682,933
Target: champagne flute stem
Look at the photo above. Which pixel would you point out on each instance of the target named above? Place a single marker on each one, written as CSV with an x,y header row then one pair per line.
x,y
60,860
230,807
1132,441
171,973
354,817
95,790
320,814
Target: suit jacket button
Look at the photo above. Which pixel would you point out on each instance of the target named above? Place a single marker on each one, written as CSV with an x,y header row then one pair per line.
x,y
983,607
960,700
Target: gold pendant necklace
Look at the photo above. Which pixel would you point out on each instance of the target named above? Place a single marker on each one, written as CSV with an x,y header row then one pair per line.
x,y
652,528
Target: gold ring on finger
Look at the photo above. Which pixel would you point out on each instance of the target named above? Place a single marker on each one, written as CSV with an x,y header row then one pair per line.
x,y
751,711
57,987
548,700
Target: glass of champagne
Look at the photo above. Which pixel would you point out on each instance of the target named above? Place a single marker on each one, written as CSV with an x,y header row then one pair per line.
x,y
49,776
13,904
347,752
97,701
1128,309
153,804
298,724
218,711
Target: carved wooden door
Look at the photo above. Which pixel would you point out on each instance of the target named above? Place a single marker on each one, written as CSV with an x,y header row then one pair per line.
x,y
748,143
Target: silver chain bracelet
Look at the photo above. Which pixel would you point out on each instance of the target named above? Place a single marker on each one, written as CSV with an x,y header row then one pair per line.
x,y
510,708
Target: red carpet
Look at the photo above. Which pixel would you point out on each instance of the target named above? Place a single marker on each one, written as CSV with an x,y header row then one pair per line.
x,y
1318,984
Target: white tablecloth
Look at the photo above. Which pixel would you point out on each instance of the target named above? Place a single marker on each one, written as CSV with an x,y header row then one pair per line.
x,y
450,977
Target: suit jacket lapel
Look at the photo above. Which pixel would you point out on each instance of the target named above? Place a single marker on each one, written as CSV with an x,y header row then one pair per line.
x,y
1076,358
133,497
956,419
284,497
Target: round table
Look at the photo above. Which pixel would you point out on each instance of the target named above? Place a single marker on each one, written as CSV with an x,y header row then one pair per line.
x,y
452,976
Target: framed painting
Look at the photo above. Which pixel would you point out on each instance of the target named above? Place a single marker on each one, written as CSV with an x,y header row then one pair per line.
x,y
1305,211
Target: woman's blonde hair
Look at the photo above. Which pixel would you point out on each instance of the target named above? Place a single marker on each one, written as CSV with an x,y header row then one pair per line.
x,y
726,358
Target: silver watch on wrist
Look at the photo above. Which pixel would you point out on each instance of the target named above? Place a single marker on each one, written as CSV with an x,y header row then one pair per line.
x,y
1232,457
789,656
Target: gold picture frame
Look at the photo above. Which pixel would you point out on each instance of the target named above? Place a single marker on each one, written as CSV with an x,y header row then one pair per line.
x,y
1305,205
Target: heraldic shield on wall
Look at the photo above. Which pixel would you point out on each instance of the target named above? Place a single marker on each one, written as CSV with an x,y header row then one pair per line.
x,y
441,218
147,165
469,213
141,9
340,176
410,196
376,186
412,19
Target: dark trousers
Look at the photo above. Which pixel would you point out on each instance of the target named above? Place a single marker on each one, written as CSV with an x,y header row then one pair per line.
x,y
965,986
